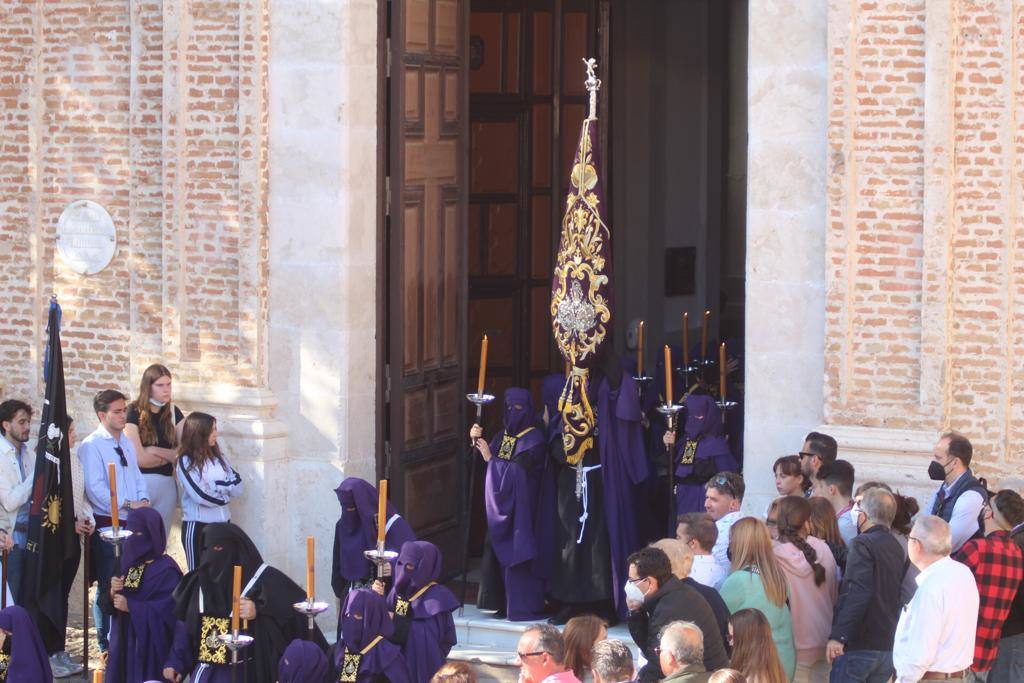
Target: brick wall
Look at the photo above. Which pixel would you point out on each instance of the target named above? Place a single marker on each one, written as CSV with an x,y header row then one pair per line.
x,y
924,246
157,111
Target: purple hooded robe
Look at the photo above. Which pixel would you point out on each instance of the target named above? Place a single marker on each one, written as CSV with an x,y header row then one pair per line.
x,y
302,662
364,616
511,494
701,454
28,661
150,579
424,626
356,532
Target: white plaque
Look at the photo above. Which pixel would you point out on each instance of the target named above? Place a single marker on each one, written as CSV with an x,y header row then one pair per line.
x,y
86,237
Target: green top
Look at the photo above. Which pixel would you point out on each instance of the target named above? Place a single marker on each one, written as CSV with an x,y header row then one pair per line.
x,y
745,589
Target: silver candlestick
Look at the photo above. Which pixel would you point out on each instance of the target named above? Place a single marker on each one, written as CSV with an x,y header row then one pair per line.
x,y
310,608
235,641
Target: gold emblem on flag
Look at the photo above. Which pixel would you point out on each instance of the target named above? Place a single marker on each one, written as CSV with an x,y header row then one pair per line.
x,y
51,516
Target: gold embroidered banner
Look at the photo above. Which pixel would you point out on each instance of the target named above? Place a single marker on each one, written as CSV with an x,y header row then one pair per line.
x,y
581,285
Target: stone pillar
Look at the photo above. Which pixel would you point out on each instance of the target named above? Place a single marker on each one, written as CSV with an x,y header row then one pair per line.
x,y
785,290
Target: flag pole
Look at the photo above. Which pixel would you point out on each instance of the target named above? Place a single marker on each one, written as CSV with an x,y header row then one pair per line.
x,y
85,604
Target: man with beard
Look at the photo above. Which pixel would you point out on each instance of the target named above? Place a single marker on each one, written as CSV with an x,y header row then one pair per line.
x,y
596,530
515,465
202,606
702,454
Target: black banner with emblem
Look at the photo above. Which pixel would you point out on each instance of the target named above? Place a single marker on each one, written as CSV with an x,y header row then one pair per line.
x,y
52,552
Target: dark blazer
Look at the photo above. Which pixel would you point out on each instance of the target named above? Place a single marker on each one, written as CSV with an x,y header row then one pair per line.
x,y
717,605
869,595
672,602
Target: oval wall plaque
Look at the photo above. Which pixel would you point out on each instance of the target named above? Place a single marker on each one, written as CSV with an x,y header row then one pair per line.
x,y
86,237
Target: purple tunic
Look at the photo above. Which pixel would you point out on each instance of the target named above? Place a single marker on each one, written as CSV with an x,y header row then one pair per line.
x,y
148,626
623,468
302,662
28,656
703,431
364,616
511,494
429,629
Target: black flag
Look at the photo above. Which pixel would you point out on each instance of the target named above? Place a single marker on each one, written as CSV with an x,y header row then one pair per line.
x,y
52,552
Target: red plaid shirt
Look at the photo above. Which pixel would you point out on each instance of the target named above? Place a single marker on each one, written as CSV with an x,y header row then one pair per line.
x,y
998,567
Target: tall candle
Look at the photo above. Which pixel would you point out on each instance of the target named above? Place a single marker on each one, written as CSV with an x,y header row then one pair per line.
x,y
310,572
640,350
112,476
721,371
668,375
382,508
236,592
483,367
97,676
704,336
686,341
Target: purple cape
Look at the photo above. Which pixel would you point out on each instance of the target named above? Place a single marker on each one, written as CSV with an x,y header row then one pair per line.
x,y
623,468
511,493
28,656
149,623
364,616
356,532
703,425
431,626
302,662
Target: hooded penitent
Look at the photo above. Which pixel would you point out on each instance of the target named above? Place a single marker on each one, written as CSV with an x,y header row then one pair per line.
x,y
422,609
150,577
356,532
700,453
364,651
28,660
581,283
203,605
302,662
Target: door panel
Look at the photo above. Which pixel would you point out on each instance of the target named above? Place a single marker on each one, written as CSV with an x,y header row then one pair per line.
x,y
427,133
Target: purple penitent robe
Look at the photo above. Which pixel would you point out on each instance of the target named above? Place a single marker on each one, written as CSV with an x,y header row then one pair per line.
x,y
150,579
364,645
701,453
28,660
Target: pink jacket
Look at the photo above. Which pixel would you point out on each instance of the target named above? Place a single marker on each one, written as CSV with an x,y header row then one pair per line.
x,y
811,605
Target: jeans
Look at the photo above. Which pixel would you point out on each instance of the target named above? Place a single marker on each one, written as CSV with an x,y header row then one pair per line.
x,y
1009,664
862,666
15,564
103,569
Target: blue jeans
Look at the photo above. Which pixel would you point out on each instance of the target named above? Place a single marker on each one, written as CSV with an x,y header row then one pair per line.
x,y
15,563
862,666
1009,664
102,554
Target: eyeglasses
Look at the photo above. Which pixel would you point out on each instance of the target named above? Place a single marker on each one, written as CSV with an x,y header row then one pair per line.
x,y
805,454
636,581
120,454
523,655
913,538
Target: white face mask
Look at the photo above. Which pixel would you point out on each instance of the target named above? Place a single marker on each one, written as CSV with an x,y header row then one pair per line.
x,y
633,592
155,403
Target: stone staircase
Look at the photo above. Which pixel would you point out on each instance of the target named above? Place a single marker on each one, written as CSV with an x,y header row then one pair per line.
x,y
489,644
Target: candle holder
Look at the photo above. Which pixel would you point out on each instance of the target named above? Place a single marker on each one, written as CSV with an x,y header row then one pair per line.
x,y
642,382
235,641
480,400
383,559
113,536
311,608
726,405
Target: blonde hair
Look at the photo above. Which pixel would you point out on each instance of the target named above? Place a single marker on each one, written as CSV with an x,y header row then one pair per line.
x,y
679,554
750,546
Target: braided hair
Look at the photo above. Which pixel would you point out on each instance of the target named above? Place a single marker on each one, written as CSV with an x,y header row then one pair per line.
x,y
792,515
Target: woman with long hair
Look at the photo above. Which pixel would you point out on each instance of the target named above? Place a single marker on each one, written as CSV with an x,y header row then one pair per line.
x,y
580,635
208,482
823,525
154,430
757,581
811,572
752,652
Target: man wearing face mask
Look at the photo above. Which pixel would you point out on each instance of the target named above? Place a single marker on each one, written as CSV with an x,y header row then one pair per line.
x,y
702,454
511,577
960,497
656,598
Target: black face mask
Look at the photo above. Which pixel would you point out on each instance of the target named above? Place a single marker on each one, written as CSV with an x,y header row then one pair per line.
x,y
936,471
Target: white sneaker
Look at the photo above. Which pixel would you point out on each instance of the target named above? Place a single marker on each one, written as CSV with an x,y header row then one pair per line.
x,y
63,666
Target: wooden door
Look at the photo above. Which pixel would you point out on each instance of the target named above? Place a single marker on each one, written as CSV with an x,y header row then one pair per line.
x,y
527,101
426,279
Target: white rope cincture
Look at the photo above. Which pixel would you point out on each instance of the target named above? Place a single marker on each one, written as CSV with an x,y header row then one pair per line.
x,y
585,500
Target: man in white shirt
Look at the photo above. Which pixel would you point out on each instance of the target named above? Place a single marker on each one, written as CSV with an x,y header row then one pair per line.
x,y
105,446
17,468
960,498
723,498
935,633
700,533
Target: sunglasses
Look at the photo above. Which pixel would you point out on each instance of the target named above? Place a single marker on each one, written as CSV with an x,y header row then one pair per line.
x,y
722,483
120,454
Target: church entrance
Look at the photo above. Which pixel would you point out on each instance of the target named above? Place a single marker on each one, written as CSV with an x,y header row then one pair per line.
x,y
673,110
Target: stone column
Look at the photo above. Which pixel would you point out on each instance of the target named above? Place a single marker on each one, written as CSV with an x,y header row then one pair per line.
x,y
785,269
